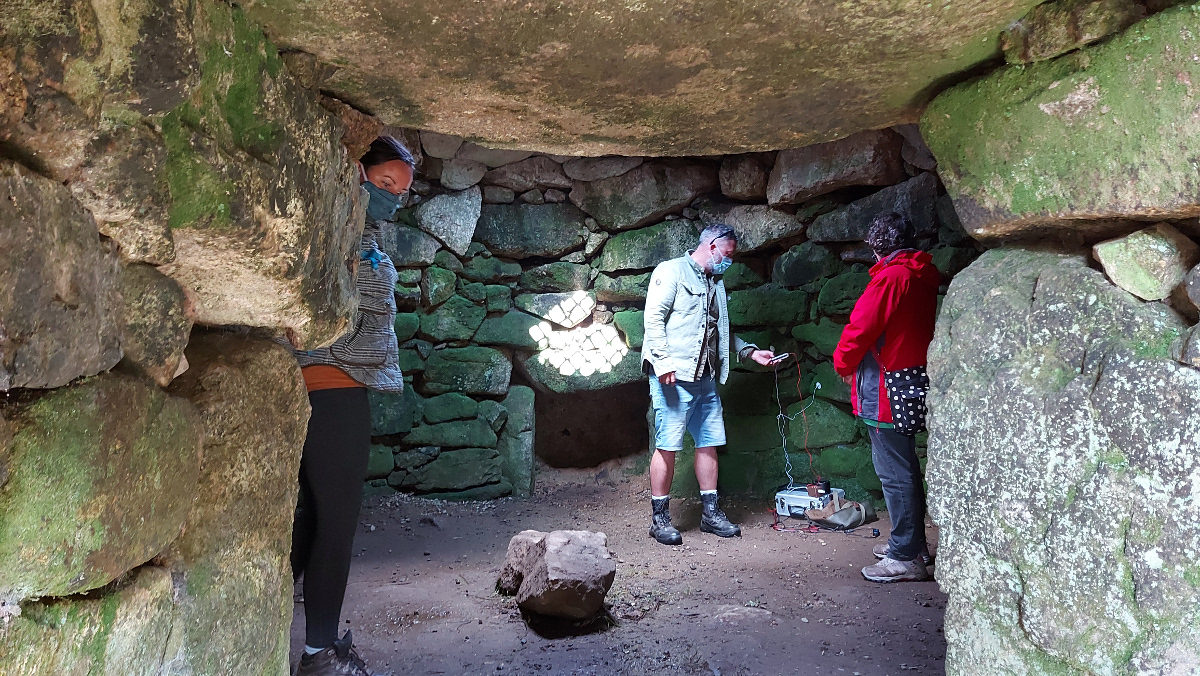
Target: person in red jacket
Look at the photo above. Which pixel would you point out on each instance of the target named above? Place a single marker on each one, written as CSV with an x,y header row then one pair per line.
x,y
890,329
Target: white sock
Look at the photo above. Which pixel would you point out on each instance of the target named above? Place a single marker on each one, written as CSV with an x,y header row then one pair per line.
x,y
712,492
659,497
309,650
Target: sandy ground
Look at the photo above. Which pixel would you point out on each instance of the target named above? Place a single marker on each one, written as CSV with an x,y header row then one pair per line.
x,y
421,598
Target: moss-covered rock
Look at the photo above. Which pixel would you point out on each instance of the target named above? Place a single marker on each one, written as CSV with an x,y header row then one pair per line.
x,y
843,461
1149,263
1050,147
824,335
455,471
526,230
406,325
1058,27
125,630
101,477
458,434
838,295
449,406
578,368
832,387
1037,351
393,413
456,319
231,565
498,297
645,248
381,462
470,370
556,277
805,263
512,329
767,306
632,325
738,276
517,462
821,424
622,288
490,270
156,322
437,285
643,195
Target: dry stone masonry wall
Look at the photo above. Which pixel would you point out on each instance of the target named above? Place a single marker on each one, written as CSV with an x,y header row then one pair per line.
x,y
524,275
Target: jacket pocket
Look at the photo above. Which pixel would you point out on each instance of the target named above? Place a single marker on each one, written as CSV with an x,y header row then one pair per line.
x,y
370,344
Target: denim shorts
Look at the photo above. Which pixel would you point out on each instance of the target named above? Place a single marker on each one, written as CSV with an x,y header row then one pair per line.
x,y
687,407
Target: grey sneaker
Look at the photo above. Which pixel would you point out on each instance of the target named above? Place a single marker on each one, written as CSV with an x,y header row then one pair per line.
x,y
881,551
891,570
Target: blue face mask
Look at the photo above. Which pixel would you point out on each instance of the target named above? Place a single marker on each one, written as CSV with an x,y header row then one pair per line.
x,y
719,266
383,204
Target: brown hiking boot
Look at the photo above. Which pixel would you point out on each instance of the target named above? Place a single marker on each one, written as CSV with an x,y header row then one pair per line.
x,y
339,659
881,551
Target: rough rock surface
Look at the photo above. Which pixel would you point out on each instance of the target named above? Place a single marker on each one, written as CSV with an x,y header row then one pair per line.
x,y
588,82
1058,27
60,294
125,631
156,322
460,174
759,226
1049,147
517,462
744,177
1149,263
566,573
644,194
866,158
645,248
915,199
567,310
1074,555
578,366
513,571
101,477
533,173
597,168
451,218
470,370
526,230
232,558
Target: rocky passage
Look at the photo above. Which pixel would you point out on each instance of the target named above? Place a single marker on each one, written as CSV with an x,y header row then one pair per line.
x,y
422,598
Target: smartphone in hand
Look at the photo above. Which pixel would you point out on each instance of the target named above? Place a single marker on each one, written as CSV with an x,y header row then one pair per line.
x,y
780,358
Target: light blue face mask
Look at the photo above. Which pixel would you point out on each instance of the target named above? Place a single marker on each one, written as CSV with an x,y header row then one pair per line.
x,y
383,204
719,266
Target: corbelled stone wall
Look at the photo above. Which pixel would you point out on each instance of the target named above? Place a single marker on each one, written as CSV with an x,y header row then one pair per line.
x,y
521,270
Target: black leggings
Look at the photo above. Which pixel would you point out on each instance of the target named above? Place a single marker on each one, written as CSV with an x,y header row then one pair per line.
x,y
332,471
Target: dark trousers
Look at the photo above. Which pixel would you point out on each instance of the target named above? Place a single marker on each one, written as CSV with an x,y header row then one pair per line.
x,y
332,470
896,463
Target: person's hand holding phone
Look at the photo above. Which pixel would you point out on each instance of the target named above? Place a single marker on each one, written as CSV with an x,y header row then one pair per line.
x,y
763,357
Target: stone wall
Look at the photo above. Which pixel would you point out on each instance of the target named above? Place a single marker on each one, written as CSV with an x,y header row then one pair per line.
x,y
521,270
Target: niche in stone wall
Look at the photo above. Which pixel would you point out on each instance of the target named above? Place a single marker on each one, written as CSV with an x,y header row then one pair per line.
x,y
520,267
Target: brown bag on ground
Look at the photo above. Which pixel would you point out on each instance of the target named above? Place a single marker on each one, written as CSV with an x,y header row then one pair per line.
x,y
842,514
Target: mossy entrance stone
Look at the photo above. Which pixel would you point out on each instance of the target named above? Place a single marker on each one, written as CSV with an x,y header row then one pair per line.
x,y
470,370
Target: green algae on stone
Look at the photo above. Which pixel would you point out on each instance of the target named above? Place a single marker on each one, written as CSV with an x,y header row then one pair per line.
x,y
766,306
101,477
821,424
470,370
1050,147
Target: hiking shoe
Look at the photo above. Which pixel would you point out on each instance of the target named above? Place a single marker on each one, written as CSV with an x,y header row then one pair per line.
x,y
714,520
891,570
660,523
881,551
339,659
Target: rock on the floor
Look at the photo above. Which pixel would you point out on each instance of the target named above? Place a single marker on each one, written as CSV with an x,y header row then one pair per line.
x,y
156,322
644,194
915,199
513,571
232,561
1081,534
1150,263
566,574
60,294
1056,158
452,218
866,158
101,476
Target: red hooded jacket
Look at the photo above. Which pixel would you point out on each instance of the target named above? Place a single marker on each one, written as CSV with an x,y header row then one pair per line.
x,y
891,327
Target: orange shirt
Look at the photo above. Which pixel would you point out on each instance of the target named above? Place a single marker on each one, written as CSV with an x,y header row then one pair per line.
x,y
322,377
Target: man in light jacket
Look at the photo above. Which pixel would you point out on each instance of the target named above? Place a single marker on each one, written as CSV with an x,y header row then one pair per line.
x,y
686,353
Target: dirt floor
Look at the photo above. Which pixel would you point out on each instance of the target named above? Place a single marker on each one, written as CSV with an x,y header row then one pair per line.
x,y
421,597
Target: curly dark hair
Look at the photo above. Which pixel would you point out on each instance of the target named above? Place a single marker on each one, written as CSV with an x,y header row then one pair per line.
x,y
386,149
889,233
